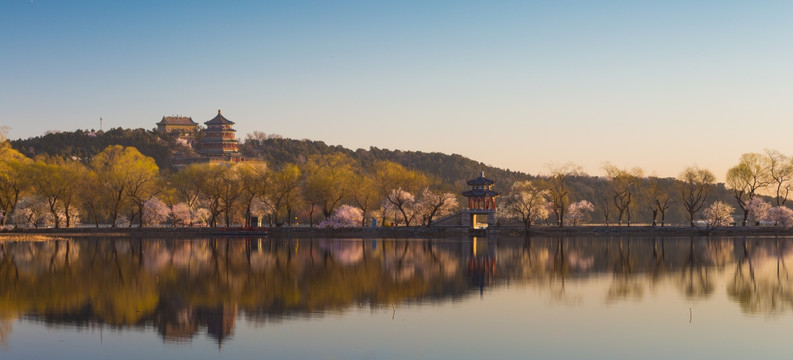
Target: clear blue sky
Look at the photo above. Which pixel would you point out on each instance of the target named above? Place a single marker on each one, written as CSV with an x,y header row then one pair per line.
x,y
516,84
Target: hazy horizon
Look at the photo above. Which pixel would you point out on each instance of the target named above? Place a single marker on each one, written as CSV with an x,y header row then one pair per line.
x,y
515,85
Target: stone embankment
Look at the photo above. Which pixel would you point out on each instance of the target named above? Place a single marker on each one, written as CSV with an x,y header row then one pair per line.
x,y
394,232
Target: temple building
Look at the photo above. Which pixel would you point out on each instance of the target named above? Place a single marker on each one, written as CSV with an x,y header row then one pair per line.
x,y
182,125
220,141
216,144
481,202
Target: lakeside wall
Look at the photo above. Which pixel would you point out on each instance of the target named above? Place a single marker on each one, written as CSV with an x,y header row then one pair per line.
x,y
396,232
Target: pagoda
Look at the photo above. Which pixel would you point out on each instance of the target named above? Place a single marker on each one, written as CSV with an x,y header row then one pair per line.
x,y
481,202
220,139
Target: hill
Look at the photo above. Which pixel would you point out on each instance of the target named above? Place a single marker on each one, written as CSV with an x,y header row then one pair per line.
x,y
449,171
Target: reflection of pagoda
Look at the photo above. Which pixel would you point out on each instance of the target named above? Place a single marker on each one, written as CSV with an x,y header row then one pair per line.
x,y
220,321
220,140
481,202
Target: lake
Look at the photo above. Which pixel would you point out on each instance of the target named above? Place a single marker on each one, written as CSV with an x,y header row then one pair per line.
x,y
467,298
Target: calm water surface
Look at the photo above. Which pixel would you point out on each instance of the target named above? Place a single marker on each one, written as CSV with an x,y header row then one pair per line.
x,y
544,298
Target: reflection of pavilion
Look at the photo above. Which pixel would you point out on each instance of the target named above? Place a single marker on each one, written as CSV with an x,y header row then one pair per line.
x,y
481,265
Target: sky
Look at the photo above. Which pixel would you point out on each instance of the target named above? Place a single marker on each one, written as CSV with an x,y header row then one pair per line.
x,y
516,84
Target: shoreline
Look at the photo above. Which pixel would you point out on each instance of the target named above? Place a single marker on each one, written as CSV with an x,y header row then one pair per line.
x,y
397,232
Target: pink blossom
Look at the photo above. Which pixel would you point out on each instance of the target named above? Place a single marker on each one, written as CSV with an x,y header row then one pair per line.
x,y
155,212
181,214
781,215
344,216
578,211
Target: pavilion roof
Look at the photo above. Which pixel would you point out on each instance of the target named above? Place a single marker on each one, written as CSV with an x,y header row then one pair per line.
x,y
176,120
481,193
219,120
481,180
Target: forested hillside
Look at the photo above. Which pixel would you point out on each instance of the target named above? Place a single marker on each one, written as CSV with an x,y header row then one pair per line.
x,y
622,196
85,144
447,169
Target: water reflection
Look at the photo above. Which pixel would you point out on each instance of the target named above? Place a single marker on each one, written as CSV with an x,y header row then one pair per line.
x,y
188,287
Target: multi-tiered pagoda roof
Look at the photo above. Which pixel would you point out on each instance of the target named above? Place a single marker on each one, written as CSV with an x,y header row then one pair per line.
x,y
481,188
219,138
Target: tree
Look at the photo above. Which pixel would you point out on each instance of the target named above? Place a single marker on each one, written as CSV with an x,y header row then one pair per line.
x,y
527,202
435,204
397,184
72,172
155,212
254,179
283,190
578,211
230,191
364,194
124,173
695,186
343,216
781,215
48,183
717,214
221,188
660,200
623,185
327,180
559,189
186,184
745,179
32,211
402,201
758,210
780,168
92,200
181,214
603,201
14,177
212,179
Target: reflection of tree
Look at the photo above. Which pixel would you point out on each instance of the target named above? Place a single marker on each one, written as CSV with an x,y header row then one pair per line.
x,y
761,282
659,263
6,326
694,279
561,267
184,287
624,285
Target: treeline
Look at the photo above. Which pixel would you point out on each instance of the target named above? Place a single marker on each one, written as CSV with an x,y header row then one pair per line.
x,y
274,150
626,196
450,170
309,182
85,144
122,187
